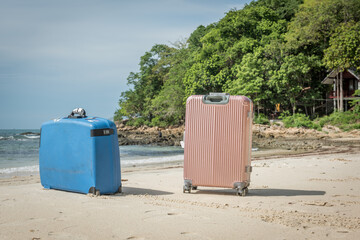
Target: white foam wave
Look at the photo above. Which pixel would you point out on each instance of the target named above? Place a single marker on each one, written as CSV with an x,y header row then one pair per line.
x,y
155,160
8,138
21,138
32,136
19,169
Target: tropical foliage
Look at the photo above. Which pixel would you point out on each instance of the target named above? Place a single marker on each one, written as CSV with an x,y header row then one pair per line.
x,y
273,51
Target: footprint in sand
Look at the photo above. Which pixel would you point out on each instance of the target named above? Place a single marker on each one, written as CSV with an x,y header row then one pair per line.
x,y
135,237
149,211
171,214
65,235
61,218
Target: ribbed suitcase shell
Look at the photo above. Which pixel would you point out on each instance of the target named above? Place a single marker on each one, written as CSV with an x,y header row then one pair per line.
x,y
218,142
80,155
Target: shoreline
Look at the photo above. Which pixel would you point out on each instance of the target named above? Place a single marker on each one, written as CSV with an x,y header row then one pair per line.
x,y
134,165
309,147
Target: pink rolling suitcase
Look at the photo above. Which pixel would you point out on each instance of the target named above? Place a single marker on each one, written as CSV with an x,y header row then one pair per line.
x,y
218,142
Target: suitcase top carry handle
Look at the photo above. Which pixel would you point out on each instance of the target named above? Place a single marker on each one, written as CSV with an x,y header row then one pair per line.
x,y
79,111
216,98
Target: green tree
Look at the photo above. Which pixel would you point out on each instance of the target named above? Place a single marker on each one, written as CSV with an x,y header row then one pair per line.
x,y
311,28
344,49
207,76
194,40
251,79
146,85
293,78
285,9
169,105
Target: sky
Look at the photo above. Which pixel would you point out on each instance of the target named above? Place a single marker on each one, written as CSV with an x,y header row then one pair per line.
x,y
62,54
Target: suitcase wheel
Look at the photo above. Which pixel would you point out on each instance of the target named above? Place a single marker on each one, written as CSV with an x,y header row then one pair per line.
x,y
188,189
94,191
242,192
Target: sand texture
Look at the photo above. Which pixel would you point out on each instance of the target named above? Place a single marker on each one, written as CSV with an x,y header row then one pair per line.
x,y
301,197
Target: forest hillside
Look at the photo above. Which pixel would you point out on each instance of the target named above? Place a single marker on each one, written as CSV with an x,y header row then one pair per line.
x,y
272,51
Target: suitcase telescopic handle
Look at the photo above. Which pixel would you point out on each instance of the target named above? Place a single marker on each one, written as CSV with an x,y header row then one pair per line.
x,y
79,111
216,98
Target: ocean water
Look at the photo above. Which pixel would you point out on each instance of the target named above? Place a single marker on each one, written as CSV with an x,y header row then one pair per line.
x,y
19,153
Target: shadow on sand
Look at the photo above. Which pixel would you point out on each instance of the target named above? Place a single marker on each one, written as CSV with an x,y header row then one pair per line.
x,y
143,191
268,192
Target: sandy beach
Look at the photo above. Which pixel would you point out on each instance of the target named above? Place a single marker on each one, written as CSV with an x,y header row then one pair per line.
x,y
308,196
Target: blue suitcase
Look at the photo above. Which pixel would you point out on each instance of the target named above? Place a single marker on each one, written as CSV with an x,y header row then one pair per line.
x,y
80,154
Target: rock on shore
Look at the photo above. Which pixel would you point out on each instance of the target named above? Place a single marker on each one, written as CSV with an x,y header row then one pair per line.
x,y
171,136
264,136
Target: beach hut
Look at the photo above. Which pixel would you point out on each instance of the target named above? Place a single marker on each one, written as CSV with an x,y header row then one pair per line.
x,y
344,85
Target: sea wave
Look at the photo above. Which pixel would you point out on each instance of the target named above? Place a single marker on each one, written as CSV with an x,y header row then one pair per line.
x,y
24,169
32,136
20,138
7,138
154,160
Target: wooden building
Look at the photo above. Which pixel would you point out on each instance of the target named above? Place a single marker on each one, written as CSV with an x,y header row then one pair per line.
x,y
344,85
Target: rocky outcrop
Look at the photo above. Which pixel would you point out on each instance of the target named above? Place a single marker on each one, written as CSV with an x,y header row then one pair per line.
x,y
277,136
264,136
278,131
171,136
